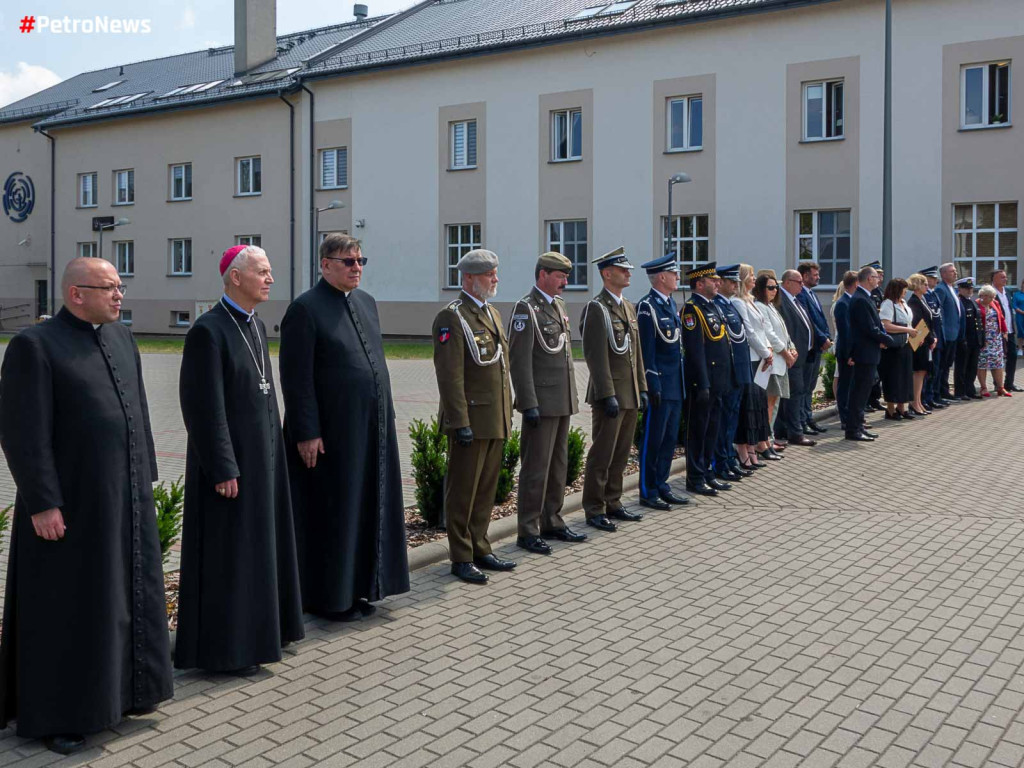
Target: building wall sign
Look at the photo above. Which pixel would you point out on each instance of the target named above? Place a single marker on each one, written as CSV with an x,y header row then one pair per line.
x,y
19,197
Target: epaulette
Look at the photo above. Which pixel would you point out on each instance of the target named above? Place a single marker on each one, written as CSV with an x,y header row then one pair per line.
x,y
453,306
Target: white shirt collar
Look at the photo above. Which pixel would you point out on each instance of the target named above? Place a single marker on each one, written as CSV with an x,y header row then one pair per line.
x,y
666,298
479,303
791,296
550,299
618,299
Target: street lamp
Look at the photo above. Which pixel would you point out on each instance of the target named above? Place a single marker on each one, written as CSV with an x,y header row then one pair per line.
x,y
331,206
677,178
119,223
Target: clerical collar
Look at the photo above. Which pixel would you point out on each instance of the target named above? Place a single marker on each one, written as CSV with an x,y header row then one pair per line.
x,y
70,318
479,303
247,312
663,296
618,299
549,299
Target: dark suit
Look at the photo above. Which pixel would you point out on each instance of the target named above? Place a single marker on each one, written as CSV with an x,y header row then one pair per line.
x,y
931,383
808,300
952,332
791,410
965,369
841,314
866,339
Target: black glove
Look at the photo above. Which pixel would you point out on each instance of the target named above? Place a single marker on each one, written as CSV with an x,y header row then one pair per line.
x,y
703,396
645,401
531,417
611,407
464,436
655,398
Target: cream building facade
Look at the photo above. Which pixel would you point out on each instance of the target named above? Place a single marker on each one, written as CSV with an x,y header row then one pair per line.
x,y
566,141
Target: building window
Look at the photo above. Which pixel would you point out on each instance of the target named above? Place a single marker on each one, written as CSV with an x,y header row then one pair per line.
x,y
124,257
124,187
334,168
249,176
462,238
87,250
685,123
824,237
688,237
87,190
181,257
180,319
985,95
823,110
569,238
126,316
984,239
567,134
181,181
256,240
462,144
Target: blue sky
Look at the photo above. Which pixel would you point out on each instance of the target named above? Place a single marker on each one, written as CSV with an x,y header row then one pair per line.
x,y
31,62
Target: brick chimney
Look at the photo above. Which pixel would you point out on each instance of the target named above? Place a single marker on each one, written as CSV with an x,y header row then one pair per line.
x,y
255,33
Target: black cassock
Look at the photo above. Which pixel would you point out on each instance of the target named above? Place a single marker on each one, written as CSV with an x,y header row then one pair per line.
x,y
349,515
85,620
239,593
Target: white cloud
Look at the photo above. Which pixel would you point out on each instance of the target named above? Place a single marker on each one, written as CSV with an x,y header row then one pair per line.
x,y
24,81
188,18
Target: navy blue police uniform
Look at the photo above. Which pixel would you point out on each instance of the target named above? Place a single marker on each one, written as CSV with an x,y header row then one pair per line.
x,y
726,459
930,395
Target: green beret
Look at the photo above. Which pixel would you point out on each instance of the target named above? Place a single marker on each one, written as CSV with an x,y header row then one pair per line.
x,y
478,262
554,262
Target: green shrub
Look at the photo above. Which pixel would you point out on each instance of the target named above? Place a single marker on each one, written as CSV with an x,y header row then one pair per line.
x,y
429,466
828,375
507,473
577,448
169,504
638,430
5,519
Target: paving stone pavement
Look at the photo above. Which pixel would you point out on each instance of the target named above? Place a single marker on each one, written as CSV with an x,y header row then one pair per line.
x,y
853,605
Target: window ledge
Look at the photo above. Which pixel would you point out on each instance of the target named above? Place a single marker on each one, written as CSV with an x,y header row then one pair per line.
x,y
577,288
247,194
126,274
179,199
179,274
683,150
823,141
86,207
463,168
993,127
566,160
331,189
122,205
452,288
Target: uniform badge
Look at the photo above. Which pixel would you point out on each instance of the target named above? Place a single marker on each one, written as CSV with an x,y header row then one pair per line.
x,y
443,335
690,322
519,325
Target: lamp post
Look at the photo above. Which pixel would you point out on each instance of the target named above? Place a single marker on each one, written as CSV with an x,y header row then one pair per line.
x,y
677,178
331,206
119,223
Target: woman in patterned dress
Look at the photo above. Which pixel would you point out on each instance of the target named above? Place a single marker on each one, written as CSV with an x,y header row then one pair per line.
x,y
992,356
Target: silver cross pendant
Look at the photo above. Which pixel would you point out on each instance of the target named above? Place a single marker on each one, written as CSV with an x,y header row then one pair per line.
x,y
264,386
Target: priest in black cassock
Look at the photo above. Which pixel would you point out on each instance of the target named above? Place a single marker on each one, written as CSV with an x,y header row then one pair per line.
x,y
342,446
238,602
85,637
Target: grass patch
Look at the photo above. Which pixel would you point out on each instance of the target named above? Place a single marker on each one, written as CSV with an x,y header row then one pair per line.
x,y
393,350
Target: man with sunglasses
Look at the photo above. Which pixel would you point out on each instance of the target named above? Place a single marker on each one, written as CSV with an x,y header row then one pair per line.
x,y
342,445
85,636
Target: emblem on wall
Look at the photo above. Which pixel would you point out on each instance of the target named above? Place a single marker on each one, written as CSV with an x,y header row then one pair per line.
x,y
19,197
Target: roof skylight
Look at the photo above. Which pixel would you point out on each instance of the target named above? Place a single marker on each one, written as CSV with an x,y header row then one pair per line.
x,y
107,87
616,8
117,100
587,13
197,88
263,77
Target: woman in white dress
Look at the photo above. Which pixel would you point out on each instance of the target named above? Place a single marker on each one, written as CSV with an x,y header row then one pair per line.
x,y
754,433
766,302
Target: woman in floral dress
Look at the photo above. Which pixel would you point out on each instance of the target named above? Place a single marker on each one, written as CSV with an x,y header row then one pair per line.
x,y
992,356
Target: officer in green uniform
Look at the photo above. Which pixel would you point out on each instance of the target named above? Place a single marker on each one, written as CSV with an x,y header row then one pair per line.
x,y
618,387
471,365
545,386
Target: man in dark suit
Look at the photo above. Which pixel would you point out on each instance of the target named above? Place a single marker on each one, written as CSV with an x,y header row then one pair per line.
x,y
931,396
952,325
811,274
844,372
801,331
965,371
866,338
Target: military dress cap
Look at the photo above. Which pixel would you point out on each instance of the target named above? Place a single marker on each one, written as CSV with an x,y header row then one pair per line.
x,y
616,258
930,271
477,262
554,262
965,282
702,270
731,272
876,264
666,263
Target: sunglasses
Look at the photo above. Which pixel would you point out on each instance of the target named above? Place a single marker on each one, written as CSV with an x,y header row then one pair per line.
x,y
349,261
771,287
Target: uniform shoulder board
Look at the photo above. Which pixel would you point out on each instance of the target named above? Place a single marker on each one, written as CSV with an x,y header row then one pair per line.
x,y
455,305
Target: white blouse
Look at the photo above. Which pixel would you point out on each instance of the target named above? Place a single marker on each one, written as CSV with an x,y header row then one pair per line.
x,y
897,314
754,325
775,327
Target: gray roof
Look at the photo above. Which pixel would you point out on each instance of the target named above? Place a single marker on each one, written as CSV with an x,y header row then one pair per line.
x,y
431,29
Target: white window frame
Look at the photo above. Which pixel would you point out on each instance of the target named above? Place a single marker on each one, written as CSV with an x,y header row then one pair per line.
x,y
125,317
125,249
250,159
124,181
814,239
996,231
256,240
181,318
87,249
570,248
686,246
985,68
829,117
340,179
687,102
92,200
185,244
459,247
186,181
457,161
567,115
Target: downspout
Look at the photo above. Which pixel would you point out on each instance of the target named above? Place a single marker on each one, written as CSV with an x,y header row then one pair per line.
x,y
887,149
312,186
291,197
53,220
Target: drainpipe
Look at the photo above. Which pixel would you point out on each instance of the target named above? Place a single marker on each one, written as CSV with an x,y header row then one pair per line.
x,y
53,220
291,197
312,186
887,152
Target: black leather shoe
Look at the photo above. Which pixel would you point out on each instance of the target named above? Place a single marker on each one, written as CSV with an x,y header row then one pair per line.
x,y
469,572
718,485
654,503
861,438
366,607
770,455
701,489
622,514
876,405
491,563
872,435
140,711
817,427
250,671
937,404
805,441
673,498
737,469
534,544
1016,388
808,430
349,614
564,534
602,523
965,398
65,743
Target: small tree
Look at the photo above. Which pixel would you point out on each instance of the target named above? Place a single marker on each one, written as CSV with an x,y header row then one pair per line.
x,y
507,473
828,375
169,505
577,445
429,467
5,519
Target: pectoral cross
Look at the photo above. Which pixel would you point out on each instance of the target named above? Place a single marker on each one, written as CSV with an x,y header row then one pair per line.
x,y
264,386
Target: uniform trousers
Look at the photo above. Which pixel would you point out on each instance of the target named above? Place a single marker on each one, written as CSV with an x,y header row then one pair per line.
x,y
661,433
948,363
702,423
965,370
469,490
606,460
544,453
862,381
732,401
1011,357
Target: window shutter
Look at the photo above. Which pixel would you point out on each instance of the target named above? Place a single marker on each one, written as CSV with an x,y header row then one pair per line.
x,y
342,163
328,168
471,142
458,145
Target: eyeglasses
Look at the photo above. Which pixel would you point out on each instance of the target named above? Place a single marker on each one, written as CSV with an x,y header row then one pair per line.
x,y
771,287
122,289
349,261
